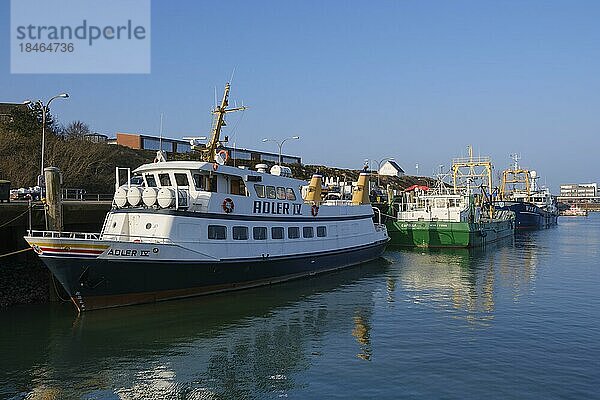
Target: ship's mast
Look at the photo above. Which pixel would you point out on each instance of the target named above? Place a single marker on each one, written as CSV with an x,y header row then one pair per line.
x,y
209,151
516,159
517,177
470,169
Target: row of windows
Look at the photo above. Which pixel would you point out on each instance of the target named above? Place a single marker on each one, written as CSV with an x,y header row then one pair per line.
x,y
219,232
165,180
166,145
271,192
201,182
440,203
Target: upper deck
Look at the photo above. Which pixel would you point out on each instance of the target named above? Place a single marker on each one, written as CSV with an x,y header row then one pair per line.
x,y
205,187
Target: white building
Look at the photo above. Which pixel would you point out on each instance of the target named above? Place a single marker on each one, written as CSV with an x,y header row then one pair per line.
x,y
390,168
579,190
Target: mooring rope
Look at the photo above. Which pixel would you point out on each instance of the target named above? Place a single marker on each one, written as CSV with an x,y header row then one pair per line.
x,y
16,252
15,218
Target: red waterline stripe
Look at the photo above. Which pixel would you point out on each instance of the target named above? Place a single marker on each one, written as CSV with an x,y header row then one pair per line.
x,y
84,251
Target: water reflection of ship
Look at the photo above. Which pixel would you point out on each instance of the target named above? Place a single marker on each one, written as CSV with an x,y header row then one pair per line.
x,y
527,252
464,279
237,344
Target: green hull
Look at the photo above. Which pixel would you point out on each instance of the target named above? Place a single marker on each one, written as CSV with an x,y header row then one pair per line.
x,y
447,234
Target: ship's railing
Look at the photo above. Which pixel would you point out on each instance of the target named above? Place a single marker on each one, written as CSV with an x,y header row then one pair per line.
x,y
377,211
478,159
336,202
65,235
97,236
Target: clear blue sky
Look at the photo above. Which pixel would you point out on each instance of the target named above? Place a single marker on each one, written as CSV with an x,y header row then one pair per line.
x,y
416,80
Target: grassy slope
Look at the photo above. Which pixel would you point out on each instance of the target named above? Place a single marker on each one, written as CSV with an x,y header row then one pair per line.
x,y
91,166
85,165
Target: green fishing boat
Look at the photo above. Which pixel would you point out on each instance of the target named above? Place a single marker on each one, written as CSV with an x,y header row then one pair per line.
x,y
450,215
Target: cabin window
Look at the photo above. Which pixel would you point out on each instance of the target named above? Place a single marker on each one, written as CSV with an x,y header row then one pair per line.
x,y
308,232
281,193
277,232
321,231
260,190
211,183
182,180
293,232
451,202
440,203
164,179
290,194
271,192
240,233
217,232
236,186
259,233
150,181
198,182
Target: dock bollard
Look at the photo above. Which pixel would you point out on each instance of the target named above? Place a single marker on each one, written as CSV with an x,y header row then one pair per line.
x,y
53,198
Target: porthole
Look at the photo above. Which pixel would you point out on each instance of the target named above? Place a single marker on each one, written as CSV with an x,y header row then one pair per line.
x,y
148,225
114,224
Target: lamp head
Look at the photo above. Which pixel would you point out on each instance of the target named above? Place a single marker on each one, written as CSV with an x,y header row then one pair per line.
x,y
295,137
265,140
64,95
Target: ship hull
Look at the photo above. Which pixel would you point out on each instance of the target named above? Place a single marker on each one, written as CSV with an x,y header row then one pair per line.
x,y
528,216
441,234
95,283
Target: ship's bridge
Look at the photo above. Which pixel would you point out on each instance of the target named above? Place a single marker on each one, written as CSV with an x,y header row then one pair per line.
x,y
183,184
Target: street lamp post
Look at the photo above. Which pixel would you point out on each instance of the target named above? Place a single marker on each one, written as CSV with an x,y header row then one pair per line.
x,y
45,109
280,143
379,166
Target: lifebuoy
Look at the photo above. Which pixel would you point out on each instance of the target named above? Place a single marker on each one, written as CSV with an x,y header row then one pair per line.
x,y
224,154
228,205
314,210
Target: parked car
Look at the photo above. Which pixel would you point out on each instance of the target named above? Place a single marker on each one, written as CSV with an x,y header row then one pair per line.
x,y
34,192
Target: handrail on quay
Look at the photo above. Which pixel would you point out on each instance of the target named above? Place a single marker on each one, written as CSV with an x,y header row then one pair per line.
x,y
82,195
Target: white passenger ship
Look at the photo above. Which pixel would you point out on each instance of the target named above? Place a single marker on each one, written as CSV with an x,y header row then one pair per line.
x,y
192,228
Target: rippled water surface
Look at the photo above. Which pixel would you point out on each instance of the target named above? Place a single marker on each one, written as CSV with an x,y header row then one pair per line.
x,y
518,320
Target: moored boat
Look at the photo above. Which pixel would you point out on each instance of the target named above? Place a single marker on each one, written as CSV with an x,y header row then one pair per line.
x,y
449,216
193,228
574,211
534,207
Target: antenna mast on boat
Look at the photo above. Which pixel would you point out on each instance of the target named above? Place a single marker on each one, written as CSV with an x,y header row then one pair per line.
x,y
516,157
518,177
208,152
467,170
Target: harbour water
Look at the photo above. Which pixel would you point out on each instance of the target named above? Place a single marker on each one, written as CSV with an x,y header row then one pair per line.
x,y
518,320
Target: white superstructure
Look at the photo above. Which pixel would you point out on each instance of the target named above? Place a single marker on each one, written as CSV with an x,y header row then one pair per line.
x,y
223,212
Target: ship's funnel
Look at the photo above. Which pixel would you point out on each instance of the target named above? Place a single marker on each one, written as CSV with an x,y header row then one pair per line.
x,y
314,189
361,193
